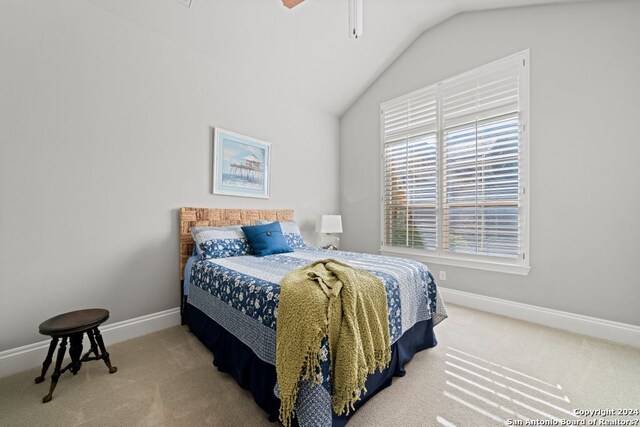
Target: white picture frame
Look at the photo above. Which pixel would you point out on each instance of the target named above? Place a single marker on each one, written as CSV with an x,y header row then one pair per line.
x,y
241,165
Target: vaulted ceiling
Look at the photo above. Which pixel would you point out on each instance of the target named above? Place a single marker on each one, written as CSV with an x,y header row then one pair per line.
x,y
304,52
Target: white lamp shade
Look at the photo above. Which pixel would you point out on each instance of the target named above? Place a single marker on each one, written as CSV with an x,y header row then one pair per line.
x,y
329,224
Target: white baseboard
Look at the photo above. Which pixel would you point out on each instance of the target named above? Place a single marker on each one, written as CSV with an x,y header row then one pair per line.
x,y
30,356
591,326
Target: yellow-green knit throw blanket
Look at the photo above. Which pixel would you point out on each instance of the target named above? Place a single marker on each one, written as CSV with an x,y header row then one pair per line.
x,y
349,306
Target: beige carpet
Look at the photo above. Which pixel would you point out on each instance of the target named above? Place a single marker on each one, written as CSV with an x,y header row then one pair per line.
x,y
486,370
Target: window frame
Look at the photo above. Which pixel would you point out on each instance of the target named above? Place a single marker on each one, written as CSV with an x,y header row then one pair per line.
x,y
520,265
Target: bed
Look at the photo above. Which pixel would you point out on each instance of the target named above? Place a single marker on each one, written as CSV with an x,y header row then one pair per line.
x,y
231,305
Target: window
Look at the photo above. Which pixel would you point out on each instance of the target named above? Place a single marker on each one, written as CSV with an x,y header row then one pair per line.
x,y
455,169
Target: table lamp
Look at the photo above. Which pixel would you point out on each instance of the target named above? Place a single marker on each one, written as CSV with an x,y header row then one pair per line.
x,y
328,226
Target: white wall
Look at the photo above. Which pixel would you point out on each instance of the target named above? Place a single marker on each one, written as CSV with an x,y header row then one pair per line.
x,y
105,132
585,107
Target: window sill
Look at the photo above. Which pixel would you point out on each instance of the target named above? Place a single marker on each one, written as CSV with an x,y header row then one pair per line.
x,y
500,267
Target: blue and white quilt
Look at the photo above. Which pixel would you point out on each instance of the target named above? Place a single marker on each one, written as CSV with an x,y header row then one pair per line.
x,y
246,291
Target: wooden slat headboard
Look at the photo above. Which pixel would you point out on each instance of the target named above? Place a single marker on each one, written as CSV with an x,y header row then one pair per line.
x,y
205,217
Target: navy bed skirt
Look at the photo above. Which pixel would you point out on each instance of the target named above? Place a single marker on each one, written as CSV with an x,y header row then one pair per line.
x,y
230,355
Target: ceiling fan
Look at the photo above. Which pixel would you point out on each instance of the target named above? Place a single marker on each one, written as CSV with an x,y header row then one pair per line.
x,y
355,15
291,3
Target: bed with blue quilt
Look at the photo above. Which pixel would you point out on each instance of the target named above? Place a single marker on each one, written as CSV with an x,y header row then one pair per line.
x,y
231,305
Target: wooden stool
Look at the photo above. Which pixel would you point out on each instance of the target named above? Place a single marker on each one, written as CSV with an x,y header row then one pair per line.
x,y
72,326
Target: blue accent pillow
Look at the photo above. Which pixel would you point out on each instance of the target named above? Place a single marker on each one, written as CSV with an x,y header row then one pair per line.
x,y
266,239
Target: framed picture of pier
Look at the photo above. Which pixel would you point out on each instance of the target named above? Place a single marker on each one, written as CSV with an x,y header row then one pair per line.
x,y
240,165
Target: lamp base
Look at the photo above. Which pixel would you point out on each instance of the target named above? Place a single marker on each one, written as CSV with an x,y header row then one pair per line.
x,y
329,241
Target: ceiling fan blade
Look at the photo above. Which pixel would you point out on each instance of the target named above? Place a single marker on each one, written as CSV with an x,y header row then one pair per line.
x,y
291,3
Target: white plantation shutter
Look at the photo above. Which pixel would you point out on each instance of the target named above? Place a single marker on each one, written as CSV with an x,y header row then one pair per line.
x,y
489,91
481,200
454,165
410,142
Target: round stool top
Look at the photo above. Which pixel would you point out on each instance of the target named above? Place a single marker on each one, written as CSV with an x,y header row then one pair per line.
x,y
73,322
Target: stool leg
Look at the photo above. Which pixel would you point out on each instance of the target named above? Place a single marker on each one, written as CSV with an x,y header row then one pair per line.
x,y
56,373
75,350
94,346
105,355
47,360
